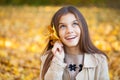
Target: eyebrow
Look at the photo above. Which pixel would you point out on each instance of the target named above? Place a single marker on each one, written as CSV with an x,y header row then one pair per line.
x,y
75,21
72,21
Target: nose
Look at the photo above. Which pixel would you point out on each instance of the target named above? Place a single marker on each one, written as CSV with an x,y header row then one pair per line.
x,y
69,29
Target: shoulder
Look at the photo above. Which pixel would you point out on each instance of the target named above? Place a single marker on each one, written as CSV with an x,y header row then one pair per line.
x,y
92,60
100,57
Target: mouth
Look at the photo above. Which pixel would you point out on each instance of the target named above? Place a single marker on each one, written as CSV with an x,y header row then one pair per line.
x,y
70,37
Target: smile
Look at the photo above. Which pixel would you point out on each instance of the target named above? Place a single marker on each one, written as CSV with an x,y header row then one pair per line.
x,y
70,37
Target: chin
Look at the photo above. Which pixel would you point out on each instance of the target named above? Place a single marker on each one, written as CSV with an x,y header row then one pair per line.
x,y
71,45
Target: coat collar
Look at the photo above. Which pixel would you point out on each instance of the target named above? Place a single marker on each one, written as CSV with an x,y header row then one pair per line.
x,y
89,60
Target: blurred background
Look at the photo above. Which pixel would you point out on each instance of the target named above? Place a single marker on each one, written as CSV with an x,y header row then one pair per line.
x,y
23,25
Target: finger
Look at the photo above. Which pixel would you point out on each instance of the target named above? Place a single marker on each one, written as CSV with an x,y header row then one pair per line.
x,y
53,50
56,44
60,43
57,47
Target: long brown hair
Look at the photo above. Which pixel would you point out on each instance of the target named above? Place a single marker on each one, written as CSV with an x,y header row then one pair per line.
x,y
85,43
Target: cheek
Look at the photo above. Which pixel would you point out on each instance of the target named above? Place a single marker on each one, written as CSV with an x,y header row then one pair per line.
x,y
78,31
61,34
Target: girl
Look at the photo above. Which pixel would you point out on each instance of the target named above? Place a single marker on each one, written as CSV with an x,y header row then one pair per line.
x,y
73,56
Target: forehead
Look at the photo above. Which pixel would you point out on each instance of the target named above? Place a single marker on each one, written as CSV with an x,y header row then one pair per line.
x,y
69,17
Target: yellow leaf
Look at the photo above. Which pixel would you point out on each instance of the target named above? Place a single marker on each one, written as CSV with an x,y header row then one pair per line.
x,y
53,34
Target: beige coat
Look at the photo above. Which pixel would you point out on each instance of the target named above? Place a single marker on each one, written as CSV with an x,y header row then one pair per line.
x,y
95,68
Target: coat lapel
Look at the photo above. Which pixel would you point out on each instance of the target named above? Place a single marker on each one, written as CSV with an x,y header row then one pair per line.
x,y
90,61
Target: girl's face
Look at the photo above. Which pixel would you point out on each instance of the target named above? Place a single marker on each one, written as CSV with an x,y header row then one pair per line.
x,y
69,30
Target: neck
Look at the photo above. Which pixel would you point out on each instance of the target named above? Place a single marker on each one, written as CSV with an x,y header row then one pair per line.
x,y
72,50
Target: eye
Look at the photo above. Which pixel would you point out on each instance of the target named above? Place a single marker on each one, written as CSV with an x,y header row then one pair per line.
x,y
75,24
62,26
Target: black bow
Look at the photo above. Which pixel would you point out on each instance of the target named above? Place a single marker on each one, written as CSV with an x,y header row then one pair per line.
x,y
73,67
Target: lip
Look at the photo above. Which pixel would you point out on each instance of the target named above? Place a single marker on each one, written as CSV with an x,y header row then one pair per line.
x,y
70,37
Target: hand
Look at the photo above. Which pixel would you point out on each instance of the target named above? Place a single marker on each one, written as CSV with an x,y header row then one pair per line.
x,y
58,50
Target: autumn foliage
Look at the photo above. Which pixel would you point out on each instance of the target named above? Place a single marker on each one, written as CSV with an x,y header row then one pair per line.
x,y
24,35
